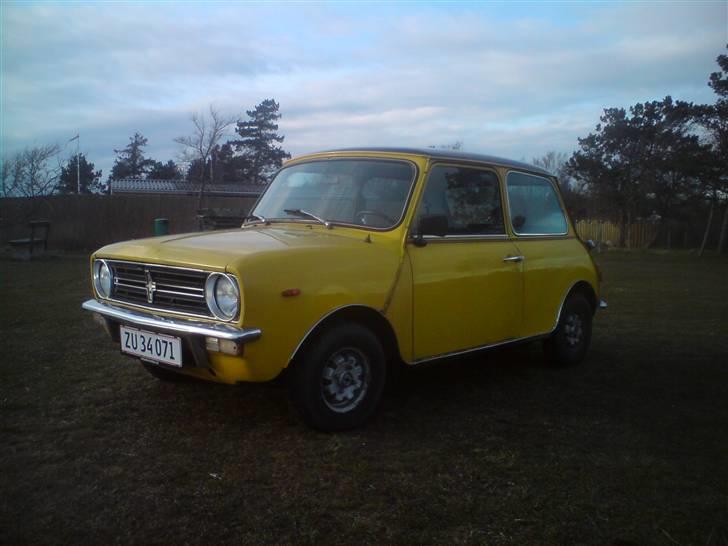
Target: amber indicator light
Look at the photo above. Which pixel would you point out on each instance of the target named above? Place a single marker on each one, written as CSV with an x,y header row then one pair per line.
x,y
290,292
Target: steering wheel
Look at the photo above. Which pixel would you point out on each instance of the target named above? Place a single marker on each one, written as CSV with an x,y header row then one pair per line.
x,y
362,213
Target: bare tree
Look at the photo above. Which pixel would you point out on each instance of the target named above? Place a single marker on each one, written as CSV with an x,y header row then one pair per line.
x,y
31,172
9,175
455,146
199,146
554,162
573,192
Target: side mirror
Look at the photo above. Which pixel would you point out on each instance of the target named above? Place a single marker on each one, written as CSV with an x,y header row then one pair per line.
x,y
436,224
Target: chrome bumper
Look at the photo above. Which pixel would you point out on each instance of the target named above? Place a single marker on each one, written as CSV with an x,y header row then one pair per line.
x,y
602,304
180,326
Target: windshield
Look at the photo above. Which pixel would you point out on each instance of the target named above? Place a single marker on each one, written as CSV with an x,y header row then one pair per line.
x,y
360,192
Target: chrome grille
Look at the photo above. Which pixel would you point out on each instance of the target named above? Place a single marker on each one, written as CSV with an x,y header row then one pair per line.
x,y
159,287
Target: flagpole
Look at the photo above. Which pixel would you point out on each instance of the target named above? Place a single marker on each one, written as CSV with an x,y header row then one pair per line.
x,y
77,138
78,164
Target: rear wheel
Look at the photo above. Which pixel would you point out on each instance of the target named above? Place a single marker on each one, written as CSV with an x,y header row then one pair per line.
x,y
569,343
337,382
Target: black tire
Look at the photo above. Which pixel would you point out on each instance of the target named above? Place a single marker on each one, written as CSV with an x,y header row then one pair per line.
x,y
569,343
167,376
337,382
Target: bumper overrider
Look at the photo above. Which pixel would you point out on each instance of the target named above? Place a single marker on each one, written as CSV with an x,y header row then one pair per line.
x,y
199,336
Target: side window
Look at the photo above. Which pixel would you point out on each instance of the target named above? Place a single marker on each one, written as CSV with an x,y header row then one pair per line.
x,y
467,199
534,206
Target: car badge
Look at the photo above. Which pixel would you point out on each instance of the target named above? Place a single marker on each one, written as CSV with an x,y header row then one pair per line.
x,y
150,286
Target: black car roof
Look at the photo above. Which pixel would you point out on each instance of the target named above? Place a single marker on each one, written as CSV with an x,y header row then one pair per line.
x,y
451,154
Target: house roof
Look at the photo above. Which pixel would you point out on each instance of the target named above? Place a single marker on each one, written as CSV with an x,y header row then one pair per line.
x,y
183,187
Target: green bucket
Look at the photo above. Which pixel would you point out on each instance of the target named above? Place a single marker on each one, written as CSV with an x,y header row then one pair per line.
x,y
161,226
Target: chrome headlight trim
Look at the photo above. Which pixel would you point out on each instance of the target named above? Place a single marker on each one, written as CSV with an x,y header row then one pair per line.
x,y
103,278
211,295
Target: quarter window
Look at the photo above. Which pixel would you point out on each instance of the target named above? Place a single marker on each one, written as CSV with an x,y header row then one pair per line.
x,y
467,199
534,206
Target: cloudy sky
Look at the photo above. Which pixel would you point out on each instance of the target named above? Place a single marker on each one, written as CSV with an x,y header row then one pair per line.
x,y
515,79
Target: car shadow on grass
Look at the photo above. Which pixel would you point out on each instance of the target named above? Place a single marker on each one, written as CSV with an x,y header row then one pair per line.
x,y
474,382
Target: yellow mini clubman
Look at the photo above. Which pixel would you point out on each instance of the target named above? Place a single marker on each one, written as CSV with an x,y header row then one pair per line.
x,y
353,262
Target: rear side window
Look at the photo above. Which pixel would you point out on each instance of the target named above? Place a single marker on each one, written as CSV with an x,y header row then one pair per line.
x,y
469,200
534,206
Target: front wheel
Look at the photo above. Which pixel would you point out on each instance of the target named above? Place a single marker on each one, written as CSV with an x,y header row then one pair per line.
x,y
569,343
337,382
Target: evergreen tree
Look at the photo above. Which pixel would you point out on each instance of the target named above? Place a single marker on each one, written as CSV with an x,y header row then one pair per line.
x,y
164,171
259,141
197,169
641,161
715,119
130,161
90,179
228,166
223,163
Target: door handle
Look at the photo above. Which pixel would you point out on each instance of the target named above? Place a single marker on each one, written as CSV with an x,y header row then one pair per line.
x,y
513,259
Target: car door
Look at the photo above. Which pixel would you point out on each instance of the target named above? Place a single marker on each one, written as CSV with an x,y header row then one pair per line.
x,y
467,280
551,255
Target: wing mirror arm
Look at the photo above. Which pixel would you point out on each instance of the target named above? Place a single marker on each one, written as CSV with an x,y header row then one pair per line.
x,y
430,225
418,239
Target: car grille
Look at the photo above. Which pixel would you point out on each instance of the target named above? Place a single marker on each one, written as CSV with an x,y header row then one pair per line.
x,y
166,288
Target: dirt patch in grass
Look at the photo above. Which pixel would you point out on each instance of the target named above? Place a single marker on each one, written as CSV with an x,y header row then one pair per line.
x,y
496,448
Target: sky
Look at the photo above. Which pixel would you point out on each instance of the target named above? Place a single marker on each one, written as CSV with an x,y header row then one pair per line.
x,y
514,79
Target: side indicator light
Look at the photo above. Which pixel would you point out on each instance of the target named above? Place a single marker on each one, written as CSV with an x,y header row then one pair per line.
x,y
290,292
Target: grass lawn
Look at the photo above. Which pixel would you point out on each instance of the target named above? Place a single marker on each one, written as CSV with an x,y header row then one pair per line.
x,y
630,447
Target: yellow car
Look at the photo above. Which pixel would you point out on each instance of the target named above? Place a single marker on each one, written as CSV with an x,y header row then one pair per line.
x,y
353,262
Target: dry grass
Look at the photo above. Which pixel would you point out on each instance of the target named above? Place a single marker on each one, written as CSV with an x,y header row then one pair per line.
x,y
497,449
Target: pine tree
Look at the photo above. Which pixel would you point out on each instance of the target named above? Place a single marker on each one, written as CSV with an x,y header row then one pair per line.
x,y
164,171
641,161
716,121
90,179
259,141
130,161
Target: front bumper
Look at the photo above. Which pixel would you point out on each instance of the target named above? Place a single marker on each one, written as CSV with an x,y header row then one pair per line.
x,y
181,326
194,332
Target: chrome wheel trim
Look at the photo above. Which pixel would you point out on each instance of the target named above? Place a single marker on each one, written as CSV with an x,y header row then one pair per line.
x,y
345,379
573,329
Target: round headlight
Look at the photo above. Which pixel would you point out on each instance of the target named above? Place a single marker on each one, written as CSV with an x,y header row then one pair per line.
x,y
102,278
222,295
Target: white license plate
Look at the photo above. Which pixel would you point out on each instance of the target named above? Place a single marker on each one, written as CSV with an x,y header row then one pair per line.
x,y
150,346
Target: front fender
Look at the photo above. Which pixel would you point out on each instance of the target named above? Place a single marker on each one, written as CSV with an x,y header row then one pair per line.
x,y
322,281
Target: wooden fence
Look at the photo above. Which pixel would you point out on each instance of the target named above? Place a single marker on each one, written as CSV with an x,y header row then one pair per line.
x,y
90,221
85,222
639,234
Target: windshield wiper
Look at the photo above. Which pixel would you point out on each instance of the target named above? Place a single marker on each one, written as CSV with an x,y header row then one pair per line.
x,y
258,217
301,212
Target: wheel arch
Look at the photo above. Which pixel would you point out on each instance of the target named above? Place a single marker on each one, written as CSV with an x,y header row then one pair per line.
x,y
358,314
584,288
